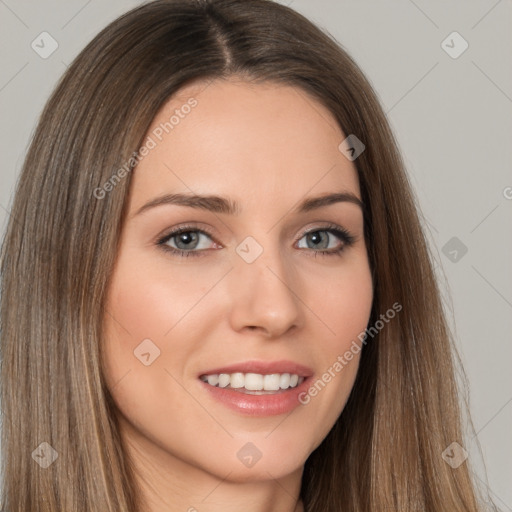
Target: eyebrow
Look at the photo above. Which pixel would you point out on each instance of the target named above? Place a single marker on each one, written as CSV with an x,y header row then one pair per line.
x,y
219,204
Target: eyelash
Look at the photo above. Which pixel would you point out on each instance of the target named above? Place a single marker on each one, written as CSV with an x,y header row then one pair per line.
x,y
347,239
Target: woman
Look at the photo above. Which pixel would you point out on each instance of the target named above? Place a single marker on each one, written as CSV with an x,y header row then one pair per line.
x,y
178,341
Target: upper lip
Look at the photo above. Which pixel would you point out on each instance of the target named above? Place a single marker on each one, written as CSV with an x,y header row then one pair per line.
x,y
262,367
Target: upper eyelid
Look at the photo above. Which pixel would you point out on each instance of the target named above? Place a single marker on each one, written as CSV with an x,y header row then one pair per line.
x,y
183,229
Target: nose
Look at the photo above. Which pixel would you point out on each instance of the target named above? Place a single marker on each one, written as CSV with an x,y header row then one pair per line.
x,y
264,296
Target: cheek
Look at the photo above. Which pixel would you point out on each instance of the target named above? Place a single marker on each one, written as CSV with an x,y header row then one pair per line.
x,y
343,301
148,310
139,311
149,297
144,350
344,305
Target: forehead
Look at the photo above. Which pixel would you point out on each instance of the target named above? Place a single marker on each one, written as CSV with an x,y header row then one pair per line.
x,y
253,142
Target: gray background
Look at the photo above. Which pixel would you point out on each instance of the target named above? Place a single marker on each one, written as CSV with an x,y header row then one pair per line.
x,y
452,118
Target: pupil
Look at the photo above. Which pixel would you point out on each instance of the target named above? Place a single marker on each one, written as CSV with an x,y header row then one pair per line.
x,y
316,238
186,238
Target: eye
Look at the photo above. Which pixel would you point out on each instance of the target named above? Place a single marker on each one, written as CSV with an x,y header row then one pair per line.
x,y
325,240
185,241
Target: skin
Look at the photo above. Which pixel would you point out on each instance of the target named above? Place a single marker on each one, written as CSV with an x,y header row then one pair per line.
x,y
268,147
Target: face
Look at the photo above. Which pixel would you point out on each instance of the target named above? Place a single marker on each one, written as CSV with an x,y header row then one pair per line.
x,y
226,330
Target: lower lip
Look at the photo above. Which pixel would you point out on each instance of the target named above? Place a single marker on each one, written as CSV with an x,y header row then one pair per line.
x,y
281,402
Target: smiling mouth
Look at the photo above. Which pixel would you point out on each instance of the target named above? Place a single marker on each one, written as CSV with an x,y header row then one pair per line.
x,y
254,383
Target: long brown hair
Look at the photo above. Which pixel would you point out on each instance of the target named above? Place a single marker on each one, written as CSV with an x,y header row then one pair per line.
x,y
385,451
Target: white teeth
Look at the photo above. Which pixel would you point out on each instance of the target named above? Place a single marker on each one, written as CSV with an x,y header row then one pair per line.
x,y
213,380
271,382
284,381
254,381
224,379
237,380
